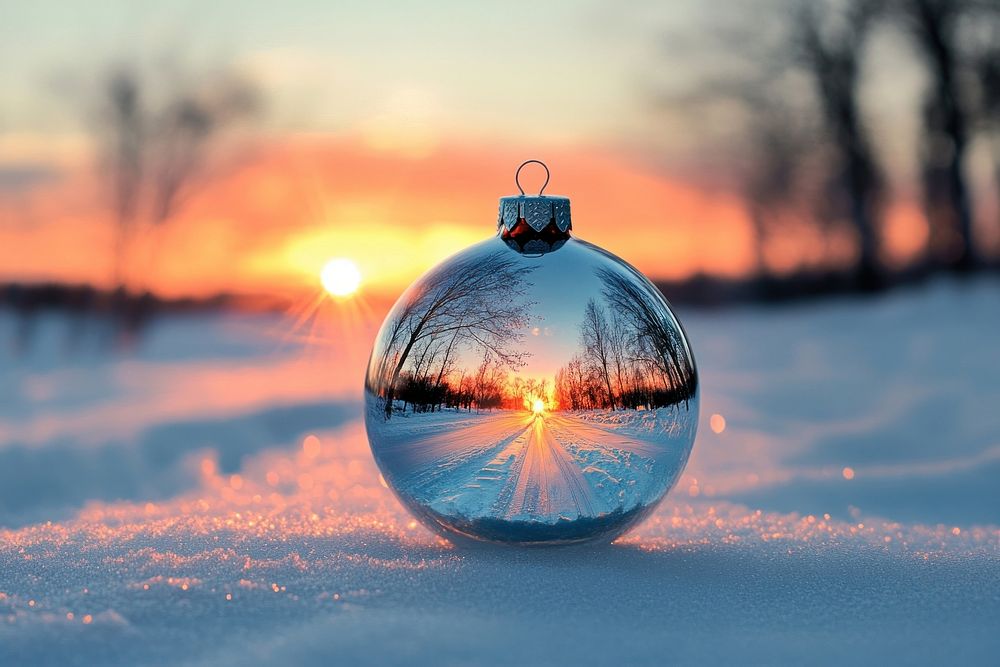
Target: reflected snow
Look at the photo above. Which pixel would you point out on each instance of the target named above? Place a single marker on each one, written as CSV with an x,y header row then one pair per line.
x,y
521,477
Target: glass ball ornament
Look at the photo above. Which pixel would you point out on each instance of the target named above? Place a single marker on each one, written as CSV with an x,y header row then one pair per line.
x,y
531,389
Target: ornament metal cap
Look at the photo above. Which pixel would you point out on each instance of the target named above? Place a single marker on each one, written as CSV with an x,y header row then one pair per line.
x,y
538,211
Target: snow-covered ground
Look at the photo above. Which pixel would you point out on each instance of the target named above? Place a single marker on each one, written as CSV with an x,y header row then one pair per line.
x,y
211,499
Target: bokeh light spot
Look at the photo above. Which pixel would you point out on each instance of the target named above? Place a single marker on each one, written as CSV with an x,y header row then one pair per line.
x,y
311,446
717,422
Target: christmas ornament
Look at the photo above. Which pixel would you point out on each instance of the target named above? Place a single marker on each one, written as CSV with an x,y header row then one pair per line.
x,y
533,388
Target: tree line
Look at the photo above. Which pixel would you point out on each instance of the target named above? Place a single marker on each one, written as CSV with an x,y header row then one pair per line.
x,y
489,386
472,303
632,352
792,79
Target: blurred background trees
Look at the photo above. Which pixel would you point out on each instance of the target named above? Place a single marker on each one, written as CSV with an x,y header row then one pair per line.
x,y
791,77
935,28
153,132
855,144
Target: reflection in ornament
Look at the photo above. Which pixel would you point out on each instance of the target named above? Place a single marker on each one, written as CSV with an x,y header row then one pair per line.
x,y
532,389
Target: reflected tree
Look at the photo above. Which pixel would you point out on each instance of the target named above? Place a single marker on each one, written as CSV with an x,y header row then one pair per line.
x,y
657,340
475,302
596,336
633,358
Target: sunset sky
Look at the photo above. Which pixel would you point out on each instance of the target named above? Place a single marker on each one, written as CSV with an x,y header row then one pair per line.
x,y
388,132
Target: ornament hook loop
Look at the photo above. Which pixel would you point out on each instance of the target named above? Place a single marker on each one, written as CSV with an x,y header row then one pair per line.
x,y
517,175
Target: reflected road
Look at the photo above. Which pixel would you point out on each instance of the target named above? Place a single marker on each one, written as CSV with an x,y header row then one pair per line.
x,y
511,464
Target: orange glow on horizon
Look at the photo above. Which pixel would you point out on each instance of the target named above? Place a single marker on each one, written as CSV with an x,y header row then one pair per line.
x,y
270,226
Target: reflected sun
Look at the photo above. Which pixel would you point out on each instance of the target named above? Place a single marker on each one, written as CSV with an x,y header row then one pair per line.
x,y
340,277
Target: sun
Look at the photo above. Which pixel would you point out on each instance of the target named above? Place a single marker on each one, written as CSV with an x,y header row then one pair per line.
x,y
538,406
340,277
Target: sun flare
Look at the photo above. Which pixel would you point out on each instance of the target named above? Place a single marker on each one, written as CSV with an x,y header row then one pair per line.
x,y
340,277
538,406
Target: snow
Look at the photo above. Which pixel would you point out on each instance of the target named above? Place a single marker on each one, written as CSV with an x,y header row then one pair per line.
x,y
549,476
847,511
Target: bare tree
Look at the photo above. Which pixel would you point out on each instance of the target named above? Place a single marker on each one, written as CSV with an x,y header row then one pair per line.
x,y
595,335
446,362
986,66
771,178
618,342
831,52
154,137
639,350
934,26
643,307
478,299
123,135
787,76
